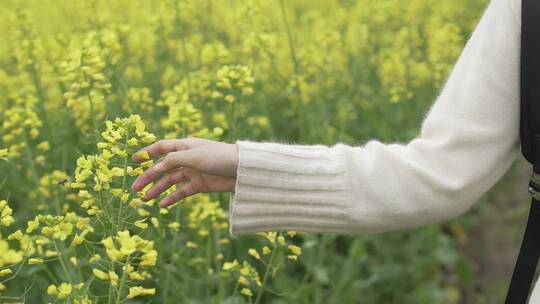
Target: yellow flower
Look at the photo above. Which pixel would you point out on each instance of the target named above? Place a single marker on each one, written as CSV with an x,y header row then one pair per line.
x,y
32,225
149,258
44,145
77,240
100,274
143,155
50,253
127,246
266,250
292,257
114,278
35,261
84,300
17,235
136,276
5,214
295,249
113,253
174,226
52,290
230,266
64,290
95,258
254,253
5,272
127,243
3,154
141,224
247,292
59,231
140,291
224,241
242,280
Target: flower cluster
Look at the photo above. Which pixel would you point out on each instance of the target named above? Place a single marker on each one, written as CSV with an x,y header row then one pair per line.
x,y
123,133
139,100
6,219
97,173
83,72
135,254
205,214
10,256
248,276
67,291
21,126
183,118
124,246
232,82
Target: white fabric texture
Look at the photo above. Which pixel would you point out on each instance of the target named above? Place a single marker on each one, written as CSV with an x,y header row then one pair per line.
x,y
468,140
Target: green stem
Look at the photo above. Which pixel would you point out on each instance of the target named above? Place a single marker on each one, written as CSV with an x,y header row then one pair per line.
x,y
30,160
235,290
174,240
296,66
93,114
289,36
233,121
118,223
124,178
208,254
121,287
267,272
62,263
40,94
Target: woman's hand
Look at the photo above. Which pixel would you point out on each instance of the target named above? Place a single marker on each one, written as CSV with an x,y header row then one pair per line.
x,y
201,165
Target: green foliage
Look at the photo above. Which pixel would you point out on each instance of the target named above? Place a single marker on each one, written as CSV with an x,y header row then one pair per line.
x,y
298,71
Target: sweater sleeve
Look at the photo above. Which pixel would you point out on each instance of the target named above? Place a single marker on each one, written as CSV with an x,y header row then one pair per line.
x,y
467,141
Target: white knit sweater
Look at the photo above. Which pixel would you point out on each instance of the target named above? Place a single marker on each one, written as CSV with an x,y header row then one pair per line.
x,y
468,140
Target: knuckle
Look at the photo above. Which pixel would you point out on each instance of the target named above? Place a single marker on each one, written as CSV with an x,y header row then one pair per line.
x,y
170,180
177,195
160,144
190,191
167,161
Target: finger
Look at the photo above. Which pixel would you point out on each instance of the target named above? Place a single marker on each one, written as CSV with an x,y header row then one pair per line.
x,y
181,193
165,183
161,147
147,177
188,158
173,160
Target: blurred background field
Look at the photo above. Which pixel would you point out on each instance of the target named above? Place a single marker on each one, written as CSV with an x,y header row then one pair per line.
x,y
323,72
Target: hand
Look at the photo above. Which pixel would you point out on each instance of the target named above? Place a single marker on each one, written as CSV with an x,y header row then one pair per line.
x,y
202,165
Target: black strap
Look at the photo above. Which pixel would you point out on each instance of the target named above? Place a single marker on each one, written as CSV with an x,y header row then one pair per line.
x,y
527,259
529,252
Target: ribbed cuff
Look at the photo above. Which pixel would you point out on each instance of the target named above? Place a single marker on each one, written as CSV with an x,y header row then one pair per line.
x,y
290,187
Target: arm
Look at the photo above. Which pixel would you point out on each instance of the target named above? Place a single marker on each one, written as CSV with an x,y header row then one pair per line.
x,y
468,140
